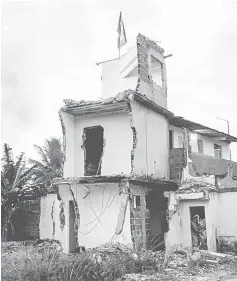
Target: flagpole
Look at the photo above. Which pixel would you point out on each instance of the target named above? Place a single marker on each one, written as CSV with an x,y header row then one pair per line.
x,y
121,32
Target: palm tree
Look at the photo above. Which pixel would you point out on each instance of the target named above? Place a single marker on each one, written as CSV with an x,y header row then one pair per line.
x,y
50,165
14,177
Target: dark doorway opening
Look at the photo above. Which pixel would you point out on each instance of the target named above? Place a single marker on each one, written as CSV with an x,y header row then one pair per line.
x,y
156,223
94,137
198,227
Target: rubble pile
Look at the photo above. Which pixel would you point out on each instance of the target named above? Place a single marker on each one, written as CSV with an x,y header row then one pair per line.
x,y
194,186
182,266
227,244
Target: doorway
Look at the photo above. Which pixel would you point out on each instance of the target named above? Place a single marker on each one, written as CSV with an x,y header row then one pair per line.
x,y
198,227
157,204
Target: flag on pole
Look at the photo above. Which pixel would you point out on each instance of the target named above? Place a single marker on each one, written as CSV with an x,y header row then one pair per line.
x,y
122,39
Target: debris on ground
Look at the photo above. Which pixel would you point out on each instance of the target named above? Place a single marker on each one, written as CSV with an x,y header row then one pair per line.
x,y
126,265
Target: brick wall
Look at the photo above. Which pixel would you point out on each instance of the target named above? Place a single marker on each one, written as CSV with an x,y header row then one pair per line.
x,y
145,83
148,223
138,224
27,220
177,163
136,229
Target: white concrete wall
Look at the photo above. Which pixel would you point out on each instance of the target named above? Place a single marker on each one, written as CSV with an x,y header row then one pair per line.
x,y
98,215
208,143
208,146
68,121
117,151
227,214
152,153
220,216
50,211
112,76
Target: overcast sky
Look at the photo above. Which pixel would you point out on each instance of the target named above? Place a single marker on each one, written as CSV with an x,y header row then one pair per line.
x,y
50,50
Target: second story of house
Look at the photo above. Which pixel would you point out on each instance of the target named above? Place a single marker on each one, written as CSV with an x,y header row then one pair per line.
x,y
205,152
126,134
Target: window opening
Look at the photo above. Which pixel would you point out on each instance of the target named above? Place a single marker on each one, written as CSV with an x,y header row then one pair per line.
x,y
93,150
218,150
156,71
200,146
136,201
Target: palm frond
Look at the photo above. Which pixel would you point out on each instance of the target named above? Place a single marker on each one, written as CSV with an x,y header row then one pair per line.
x,y
28,171
19,161
42,154
37,163
17,178
7,155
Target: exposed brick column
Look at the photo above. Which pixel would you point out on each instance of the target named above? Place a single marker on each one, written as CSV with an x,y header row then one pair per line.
x,y
177,163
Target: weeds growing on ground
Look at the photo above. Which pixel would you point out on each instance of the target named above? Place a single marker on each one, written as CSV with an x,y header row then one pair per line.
x,y
30,264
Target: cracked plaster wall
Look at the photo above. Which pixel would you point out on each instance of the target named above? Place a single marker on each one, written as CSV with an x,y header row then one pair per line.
x,y
99,213
220,220
49,218
67,121
151,156
118,144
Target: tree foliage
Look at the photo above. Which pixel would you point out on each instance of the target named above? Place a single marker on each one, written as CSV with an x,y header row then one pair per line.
x,y
50,165
14,179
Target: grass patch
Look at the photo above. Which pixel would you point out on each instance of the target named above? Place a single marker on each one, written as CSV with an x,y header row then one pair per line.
x,y
45,264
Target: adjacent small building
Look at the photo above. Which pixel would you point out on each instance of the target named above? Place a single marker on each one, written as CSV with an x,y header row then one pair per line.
x,y
126,155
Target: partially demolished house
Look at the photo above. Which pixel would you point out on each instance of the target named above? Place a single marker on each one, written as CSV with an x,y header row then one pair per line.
x,y
125,157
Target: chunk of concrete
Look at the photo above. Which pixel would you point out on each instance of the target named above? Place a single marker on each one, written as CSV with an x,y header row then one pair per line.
x,y
196,256
215,255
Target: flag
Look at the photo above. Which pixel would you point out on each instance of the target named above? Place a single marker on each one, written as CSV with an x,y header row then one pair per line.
x,y
122,40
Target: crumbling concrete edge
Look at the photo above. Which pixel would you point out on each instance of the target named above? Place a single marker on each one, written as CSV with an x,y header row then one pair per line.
x,y
61,214
123,207
83,147
134,131
169,214
76,210
64,135
52,215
